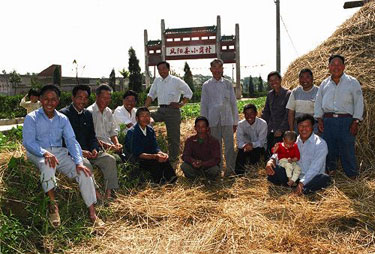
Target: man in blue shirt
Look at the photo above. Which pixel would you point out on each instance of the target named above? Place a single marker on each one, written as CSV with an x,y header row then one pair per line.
x,y
43,133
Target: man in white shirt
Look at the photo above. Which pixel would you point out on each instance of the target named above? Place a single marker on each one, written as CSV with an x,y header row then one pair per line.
x,y
125,114
219,106
251,138
339,110
313,150
104,122
168,89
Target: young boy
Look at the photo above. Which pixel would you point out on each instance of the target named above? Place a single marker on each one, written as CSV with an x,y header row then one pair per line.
x,y
140,143
288,154
33,103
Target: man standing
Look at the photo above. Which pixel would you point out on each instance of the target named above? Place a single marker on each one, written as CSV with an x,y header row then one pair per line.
x,y
43,132
251,138
339,109
104,122
168,89
219,106
125,114
302,98
275,112
83,126
313,150
202,152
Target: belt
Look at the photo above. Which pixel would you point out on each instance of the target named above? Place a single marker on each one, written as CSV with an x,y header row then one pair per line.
x,y
163,106
334,115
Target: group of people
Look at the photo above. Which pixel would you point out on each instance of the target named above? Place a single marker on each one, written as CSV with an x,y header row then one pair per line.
x,y
76,138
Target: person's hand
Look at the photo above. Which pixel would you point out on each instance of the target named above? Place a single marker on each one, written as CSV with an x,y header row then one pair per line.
x,y
175,105
162,157
354,128
290,160
84,169
94,154
117,148
290,182
129,125
299,189
270,167
86,154
197,163
50,159
234,128
294,159
275,148
248,147
320,125
278,133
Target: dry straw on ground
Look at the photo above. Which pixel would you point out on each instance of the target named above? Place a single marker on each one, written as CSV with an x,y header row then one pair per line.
x,y
355,40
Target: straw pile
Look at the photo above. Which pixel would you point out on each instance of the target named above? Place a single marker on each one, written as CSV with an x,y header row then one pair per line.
x,y
355,40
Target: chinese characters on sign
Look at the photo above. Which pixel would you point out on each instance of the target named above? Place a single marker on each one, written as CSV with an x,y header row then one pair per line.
x,y
191,50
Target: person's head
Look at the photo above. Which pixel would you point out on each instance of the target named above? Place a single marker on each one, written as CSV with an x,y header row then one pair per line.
x,y
274,79
336,66
129,100
49,98
217,68
103,96
305,125
289,138
33,95
250,112
163,69
201,126
80,96
143,116
306,79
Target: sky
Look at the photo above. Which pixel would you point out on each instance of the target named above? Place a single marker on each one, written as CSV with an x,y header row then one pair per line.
x,y
98,33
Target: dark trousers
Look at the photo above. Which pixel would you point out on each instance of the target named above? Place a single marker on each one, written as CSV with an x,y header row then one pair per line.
x,y
340,144
161,172
252,157
271,141
319,182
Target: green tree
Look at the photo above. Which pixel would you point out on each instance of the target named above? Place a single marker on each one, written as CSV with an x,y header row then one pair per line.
x,y
188,77
112,79
251,87
124,73
14,78
135,77
260,85
57,76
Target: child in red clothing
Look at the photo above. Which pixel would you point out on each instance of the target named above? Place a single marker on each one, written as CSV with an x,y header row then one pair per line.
x,y
288,155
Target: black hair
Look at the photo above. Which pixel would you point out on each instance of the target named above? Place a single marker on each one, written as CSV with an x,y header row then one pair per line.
x,y
33,92
305,117
201,118
103,87
81,87
336,56
273,73
164,62
290,135
217,60
140,110
130,93
47,88
250,106
305,70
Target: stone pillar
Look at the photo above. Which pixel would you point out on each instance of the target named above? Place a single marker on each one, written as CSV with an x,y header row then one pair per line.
x,y
218,37
163,40
147,73
238,66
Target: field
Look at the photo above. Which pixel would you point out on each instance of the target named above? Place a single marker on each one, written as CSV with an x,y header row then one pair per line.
x,y
233,215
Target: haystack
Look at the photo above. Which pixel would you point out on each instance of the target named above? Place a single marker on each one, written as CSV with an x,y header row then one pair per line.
x,y
355,40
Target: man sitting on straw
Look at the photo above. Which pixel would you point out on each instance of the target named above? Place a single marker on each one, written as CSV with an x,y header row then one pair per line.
x,y
43,132
313,150
201,153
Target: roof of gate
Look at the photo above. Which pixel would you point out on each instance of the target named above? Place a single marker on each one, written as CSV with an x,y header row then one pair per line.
x,y
207,29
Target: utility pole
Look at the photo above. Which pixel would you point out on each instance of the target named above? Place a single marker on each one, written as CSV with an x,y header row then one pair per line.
x,y
278,51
